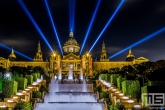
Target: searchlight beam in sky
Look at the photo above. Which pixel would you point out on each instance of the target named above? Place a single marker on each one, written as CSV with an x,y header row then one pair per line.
x,y
72,14
6,47
34,23
139,42
89,28
107,25
53,25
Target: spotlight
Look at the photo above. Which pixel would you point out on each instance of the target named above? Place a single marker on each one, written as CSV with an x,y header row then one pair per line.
x,y
139,42
98,3
34,23
72,13
4,46
51,19
107,24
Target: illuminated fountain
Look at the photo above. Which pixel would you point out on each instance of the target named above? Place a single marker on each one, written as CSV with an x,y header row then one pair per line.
x,y
70,96
60,74
81,75
70,75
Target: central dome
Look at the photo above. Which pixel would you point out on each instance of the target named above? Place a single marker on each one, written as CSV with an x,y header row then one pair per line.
x,y
71,45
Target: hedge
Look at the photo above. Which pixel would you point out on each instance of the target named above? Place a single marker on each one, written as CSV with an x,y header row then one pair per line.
x,y
22,83
29,79
9,88
34,76
114,79
19,75
103,95
1,84
103,76
38,75
37,94
23,106
131,87
119,81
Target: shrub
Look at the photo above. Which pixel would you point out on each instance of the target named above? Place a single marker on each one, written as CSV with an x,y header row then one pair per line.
x,y
38,75
37,94
29,79
34,76
114,79
22,83
43,88
9,88
98,88
103,95
131,87
23,106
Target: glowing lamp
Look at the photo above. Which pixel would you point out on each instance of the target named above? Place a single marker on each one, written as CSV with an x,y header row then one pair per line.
x,y
114,89
15,97
130,101
30,87
2,106
121,94
125,97
137,106
19,93
10,101
117,92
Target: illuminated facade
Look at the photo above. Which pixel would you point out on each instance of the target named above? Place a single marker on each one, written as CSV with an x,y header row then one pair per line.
x,y
71,59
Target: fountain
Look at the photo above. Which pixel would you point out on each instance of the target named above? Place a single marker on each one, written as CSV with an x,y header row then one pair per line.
x,y
70,76
70,96
81,75
60,74
84,86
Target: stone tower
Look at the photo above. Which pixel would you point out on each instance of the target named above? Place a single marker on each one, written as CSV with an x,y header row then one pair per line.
x,y
38,56
104,55
130,56
12,56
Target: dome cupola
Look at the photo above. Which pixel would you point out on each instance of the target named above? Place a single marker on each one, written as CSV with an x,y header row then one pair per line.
x,y
71,45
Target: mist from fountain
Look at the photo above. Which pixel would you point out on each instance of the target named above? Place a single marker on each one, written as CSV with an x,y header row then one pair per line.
x,y
81,75
70,76
84,86
60,74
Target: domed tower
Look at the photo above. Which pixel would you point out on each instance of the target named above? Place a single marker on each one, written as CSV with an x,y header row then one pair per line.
x,y
71,45
38,56
130,56
104,55
12,56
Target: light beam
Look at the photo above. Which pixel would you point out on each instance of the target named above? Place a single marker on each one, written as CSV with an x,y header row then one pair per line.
x,y
107,25
139,42
72,14
6,47
34,23
51,19
92,20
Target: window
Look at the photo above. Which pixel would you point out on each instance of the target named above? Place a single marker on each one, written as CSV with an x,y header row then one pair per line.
x,y
71,49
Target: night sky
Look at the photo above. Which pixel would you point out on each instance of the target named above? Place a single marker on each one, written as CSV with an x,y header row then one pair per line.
x,y
135,20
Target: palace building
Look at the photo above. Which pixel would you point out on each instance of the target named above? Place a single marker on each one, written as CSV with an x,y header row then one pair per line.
x,y
71,59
